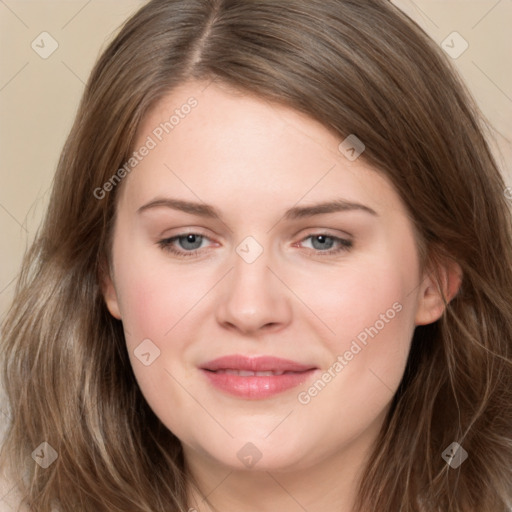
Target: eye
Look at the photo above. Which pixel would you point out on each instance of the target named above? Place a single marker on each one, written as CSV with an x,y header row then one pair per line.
x,y
189,244
322,243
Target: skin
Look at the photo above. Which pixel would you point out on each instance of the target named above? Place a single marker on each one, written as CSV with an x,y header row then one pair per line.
x,y
252,161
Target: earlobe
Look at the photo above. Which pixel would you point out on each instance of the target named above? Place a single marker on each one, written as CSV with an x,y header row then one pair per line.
x,y
432,295
109,293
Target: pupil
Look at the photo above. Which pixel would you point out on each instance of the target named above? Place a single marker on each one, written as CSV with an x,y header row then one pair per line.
x,y
194,240
321,241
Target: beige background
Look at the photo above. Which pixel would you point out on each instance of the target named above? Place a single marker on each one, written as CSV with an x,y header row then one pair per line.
x,y
39,97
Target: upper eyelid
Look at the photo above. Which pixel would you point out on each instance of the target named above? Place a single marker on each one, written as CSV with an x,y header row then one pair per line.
x,y
317,232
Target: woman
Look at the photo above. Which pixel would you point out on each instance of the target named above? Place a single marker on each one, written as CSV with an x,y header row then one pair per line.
x,y
339,335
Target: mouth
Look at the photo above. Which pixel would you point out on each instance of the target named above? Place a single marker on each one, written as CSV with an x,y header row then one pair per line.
x,y
257,377
248,373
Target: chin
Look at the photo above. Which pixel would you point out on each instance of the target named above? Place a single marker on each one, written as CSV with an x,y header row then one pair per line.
x,y
248,453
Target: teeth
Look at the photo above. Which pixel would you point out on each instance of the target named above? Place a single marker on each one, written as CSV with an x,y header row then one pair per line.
x,y
248,373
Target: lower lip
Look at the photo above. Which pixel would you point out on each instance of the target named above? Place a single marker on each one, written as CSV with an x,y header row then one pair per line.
x,y
254,387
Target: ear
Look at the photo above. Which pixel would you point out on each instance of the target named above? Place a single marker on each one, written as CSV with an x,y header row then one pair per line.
x,y
109,291
432,295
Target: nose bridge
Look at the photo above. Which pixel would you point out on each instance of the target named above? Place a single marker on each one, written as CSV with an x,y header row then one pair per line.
x,y
251,276
253,297
251,268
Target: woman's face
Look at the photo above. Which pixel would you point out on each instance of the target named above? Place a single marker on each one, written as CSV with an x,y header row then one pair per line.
x,y
271,280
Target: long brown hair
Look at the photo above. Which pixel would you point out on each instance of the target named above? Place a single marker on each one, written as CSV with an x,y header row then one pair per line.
x,y
358,67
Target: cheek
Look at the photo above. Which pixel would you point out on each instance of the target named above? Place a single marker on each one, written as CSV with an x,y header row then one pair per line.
x,y
356,298
154,305
157,302
153,297
374,324
352,295
372,312
367,359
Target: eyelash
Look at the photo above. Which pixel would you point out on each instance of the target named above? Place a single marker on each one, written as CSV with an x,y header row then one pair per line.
x,y
166,245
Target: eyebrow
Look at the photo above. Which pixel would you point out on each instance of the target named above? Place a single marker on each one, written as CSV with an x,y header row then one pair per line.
x,y
294,213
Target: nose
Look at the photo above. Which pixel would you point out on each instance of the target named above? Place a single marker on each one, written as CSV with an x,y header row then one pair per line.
x,y
254,297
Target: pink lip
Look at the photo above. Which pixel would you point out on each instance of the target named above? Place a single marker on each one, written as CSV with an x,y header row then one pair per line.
x,y
256,387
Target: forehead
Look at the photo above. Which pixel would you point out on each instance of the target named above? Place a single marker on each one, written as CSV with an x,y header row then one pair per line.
x,y
236,124
216,144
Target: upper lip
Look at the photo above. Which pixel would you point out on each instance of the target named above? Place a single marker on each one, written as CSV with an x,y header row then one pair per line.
x,y
255,364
